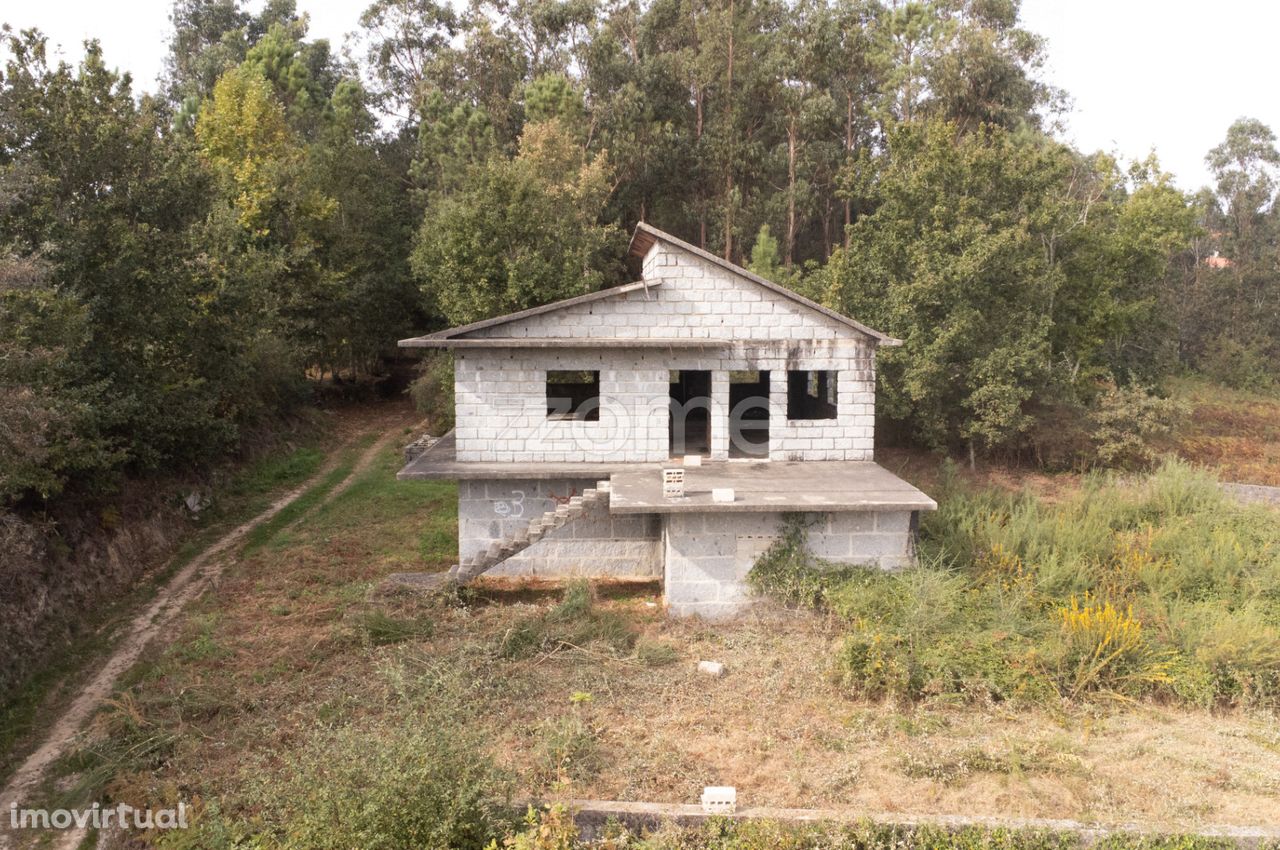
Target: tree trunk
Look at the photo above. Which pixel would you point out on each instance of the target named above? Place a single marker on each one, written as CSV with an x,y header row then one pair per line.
x,y
848,155
728,116
702,205
791,192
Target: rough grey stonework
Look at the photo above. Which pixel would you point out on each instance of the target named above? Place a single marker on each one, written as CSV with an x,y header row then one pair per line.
x,y
596,545
708,555
701,316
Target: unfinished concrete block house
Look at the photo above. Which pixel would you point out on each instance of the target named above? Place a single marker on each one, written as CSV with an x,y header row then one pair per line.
x,y
568,415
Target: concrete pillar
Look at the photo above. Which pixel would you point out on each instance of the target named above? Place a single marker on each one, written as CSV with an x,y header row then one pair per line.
x,y
719,415
777,412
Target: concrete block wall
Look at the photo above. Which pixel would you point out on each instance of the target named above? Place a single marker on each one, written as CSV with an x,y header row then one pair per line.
x,y
501,394
501,407
595,545
696,300
708,555
502,416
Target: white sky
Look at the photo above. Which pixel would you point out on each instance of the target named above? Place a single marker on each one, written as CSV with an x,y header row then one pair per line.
x,y
1142,74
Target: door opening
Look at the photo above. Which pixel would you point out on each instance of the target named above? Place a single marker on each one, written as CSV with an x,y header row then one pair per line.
x,y
689,423
749,414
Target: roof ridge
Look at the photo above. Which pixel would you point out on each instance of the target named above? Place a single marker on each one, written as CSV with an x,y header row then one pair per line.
x,y
701,253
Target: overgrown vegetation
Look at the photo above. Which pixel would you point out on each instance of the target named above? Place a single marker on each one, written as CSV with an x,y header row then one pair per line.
x,y
286,704
380,787
1151,588
574,622
553,829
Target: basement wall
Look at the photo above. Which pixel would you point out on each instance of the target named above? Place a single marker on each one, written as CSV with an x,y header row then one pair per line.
x,y
708,555
598,544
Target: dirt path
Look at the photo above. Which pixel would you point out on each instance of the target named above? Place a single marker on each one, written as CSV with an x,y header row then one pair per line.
x,y
183,588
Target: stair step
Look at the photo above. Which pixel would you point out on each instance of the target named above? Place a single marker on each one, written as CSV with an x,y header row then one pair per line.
x,y
538,527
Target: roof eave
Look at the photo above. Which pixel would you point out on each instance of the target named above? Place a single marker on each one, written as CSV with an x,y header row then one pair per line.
x,y
460,330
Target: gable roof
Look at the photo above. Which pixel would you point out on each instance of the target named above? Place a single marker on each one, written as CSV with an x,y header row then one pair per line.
x,y
644,238
435,339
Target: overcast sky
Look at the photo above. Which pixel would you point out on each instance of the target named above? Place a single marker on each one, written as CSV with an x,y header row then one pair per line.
x,y
1142,74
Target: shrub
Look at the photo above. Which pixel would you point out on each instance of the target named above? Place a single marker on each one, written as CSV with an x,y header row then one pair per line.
x,y
574,621
1103,648
567,750
788,572
550,829
1241,366
432,391
1154,586
1128,424
384,787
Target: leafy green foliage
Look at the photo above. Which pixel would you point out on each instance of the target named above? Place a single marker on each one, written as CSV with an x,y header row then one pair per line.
x,y
554,829
1129,422
386,787
519,232
1112,593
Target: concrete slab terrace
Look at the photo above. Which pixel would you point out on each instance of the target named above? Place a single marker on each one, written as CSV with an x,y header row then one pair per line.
x,y
764,486
758,485
440,463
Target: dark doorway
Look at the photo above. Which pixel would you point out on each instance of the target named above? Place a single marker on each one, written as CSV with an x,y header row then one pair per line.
x,y
749,414
689,425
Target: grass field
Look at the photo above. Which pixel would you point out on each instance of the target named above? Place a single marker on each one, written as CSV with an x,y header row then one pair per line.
x,y
1234,433
1079,647
287,699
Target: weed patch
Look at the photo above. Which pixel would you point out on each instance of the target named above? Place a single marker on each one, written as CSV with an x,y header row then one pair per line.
x,y
553,829
575,622
383,629
379,788
1156,587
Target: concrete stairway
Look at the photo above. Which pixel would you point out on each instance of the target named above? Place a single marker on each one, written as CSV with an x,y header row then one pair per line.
x,y
592,499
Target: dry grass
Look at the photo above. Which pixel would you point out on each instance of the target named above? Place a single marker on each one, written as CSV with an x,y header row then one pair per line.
x,y
778,728
1234,433
775,726
281,653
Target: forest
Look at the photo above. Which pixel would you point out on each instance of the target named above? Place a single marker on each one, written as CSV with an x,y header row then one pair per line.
x,y
179,270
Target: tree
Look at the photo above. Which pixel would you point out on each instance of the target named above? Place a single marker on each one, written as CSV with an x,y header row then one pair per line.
x,y
210,37
244,137
520,232
107,199
949,262
764,255
408,51
49,431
